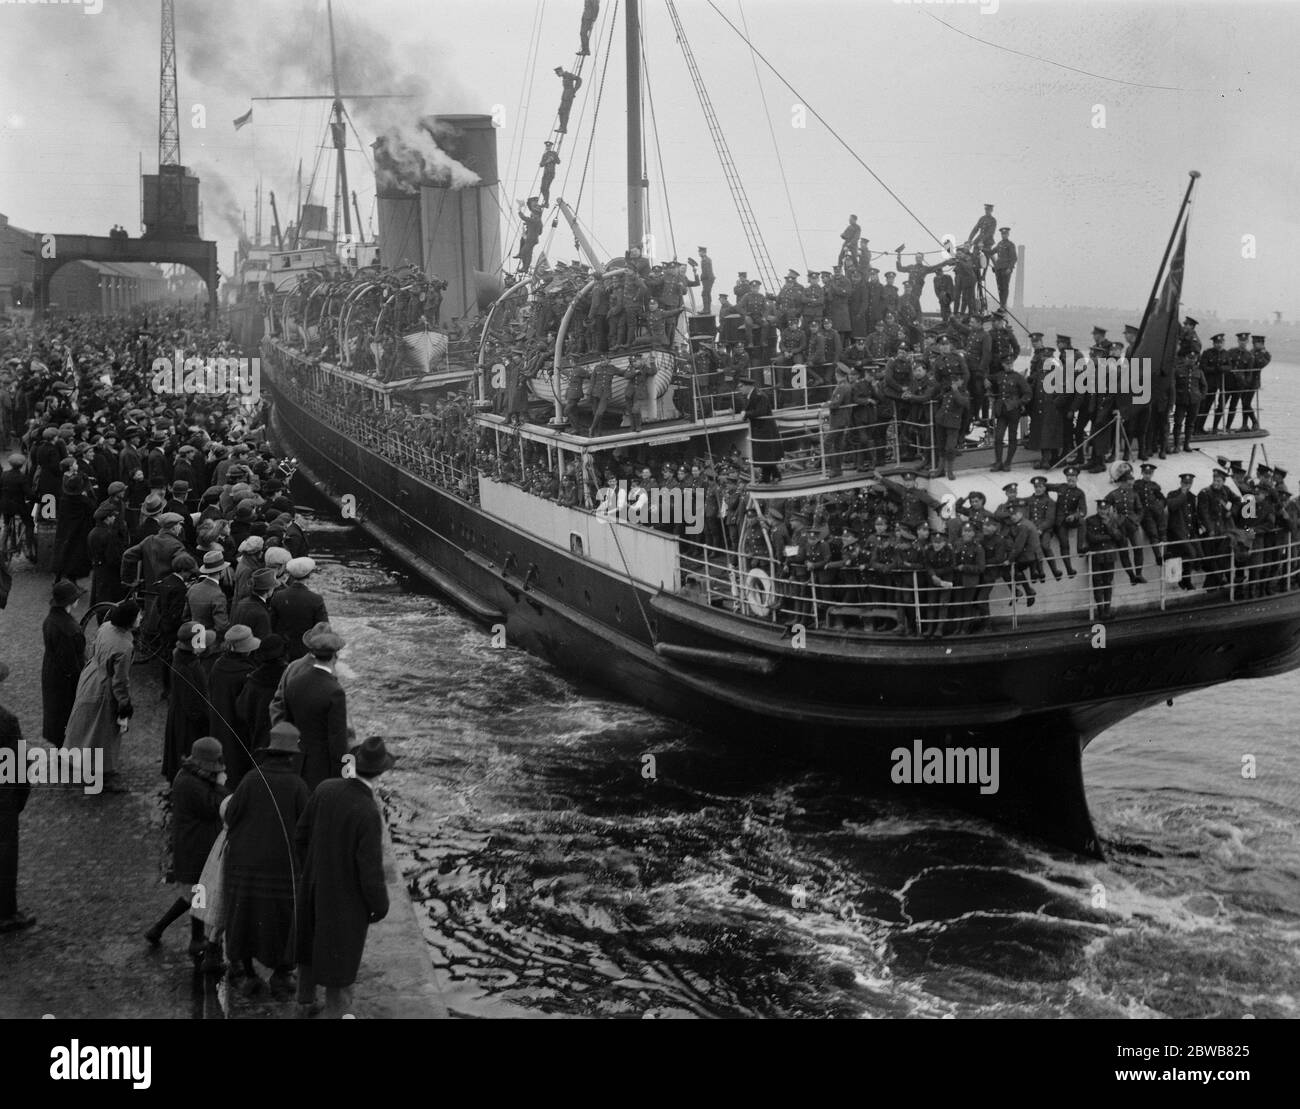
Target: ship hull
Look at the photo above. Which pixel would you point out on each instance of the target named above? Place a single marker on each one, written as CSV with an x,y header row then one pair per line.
x,y
1037,697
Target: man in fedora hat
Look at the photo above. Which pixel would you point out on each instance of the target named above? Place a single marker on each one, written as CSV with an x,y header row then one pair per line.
x,y
314,700
13,799
205,601
340,841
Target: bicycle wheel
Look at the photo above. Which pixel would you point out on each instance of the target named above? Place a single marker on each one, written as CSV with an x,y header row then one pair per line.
x,y
148,646
95,616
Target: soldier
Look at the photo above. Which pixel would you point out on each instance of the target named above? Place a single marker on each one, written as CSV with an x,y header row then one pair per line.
x,y
1101,538
548,163
1003,340
839,411
954,402
790,302
590,11
578,376
997,567
706,278
1011,395
824,351
1213,364
889,296
1240,361
1004,256
909,317
918,271
838,292
868,435
944,289
532,220
1182,527
1128,519
1071,512
1026,553
1215,508
1190,391
1155,513
597,316
730,323
966,274
982,233
794,346
743,284
1253,376
946,365
572,83
850,236
753,307
638,374
878,343
941,580
602,390
814,303
1040,510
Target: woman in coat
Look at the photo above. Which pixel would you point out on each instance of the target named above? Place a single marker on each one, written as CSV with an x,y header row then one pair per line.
x,y
225,682
187,707
104,692
105,546
197,793
65,655
262,867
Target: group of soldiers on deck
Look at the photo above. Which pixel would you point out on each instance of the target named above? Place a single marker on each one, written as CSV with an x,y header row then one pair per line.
x,y
892,547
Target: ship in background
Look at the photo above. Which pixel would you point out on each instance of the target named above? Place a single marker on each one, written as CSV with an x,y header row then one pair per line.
x,y
697,632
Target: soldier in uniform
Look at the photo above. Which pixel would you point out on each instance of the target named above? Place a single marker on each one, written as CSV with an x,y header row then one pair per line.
x,y
1239,363
1215,508
839,410
602,390
572,83
1213,363
954,402
979,359
968,567
1155,512
742,285
1004,256
1183,521
909,317
838,292
598,313
1071,511
1128,519
753,306
532,221
849,237
889,296
1101,538
814,303
548,163
867,434
578,376
730,329
940,581
706,278
794,346
1253,377
878,343
1026,553
966,274
997,567
590,12
1012,394
983,231
1190,390
944,289
1101,406
790,302
1040,510
918,271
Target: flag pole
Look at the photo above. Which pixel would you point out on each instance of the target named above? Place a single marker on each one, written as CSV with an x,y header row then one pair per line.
x,y
1169,247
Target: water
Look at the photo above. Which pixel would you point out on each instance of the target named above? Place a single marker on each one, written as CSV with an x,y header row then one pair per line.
x,y
552,878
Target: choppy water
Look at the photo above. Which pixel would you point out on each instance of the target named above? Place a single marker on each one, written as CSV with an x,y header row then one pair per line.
x,y
551,878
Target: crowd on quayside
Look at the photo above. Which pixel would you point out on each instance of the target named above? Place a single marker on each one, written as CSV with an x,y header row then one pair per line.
x,y
161,528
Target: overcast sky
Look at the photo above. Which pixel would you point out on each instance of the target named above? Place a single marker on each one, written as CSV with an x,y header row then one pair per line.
x,y
947,122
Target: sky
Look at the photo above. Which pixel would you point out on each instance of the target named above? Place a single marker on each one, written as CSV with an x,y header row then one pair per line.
x,y
1087,168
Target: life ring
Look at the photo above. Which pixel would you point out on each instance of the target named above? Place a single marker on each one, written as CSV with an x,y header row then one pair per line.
x,y
760,594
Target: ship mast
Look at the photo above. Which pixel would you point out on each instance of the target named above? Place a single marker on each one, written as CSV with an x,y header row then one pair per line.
x,y
636,182
340,136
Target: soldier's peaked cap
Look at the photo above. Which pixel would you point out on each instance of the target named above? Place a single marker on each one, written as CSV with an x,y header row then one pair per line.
x,y
1099,331
1006,229
1243,334
1187,477
1257,338
1190,322
1035,335
988,205
1038,479
1147,467
1219,473
1072,471
1063,340
1217,338
1010,487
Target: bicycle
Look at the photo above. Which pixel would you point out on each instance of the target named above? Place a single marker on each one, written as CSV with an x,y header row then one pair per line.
x,y
149,641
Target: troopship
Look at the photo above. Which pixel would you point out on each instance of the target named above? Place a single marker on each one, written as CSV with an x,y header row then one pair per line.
x,y
502,503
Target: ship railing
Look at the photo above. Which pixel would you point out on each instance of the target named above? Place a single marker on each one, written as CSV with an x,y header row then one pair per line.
x,y
905,600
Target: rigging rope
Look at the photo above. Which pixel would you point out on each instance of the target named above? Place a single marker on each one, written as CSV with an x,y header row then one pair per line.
x,y
821,119
591,145
525,99
803,253
659,153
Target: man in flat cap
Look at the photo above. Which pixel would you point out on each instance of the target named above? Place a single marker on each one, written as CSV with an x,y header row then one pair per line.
x,y
314,700
296,607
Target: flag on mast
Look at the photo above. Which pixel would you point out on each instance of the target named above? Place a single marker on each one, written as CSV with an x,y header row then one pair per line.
x,y
247,117
1159,338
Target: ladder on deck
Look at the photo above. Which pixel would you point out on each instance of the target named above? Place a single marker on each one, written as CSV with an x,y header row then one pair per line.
x,y
758,248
